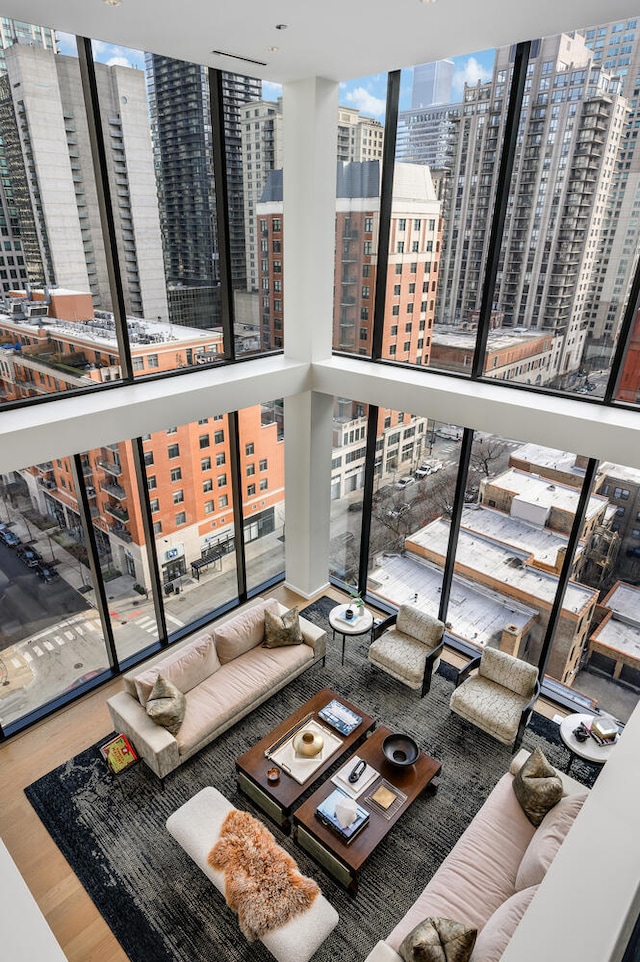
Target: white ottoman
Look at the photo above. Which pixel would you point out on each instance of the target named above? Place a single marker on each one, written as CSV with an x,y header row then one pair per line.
x,y
196,827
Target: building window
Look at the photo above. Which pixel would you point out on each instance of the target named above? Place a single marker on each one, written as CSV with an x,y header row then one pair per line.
x,y
154,506
152,483
178,496
222,480
172,430
205,464
173,451
249,449
207,485
251,470
148,457
368,225
621,493
220,459
264,484
398,268
152,360
251,490
218,437
204,440
366,292
138,364
263,464
176,474
400,247
223,501
181,518
209,507
157,527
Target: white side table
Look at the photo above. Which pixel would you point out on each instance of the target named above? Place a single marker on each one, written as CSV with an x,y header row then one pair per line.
x,y
588,749
359,625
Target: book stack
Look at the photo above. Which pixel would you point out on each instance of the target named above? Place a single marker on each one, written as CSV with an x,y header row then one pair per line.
x,y
326,812
340,717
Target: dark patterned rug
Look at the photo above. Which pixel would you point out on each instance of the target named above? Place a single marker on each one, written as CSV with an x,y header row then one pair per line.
x,y
162,908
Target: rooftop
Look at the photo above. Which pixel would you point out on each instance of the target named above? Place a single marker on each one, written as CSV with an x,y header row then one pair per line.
x,y
620,472
497,340
542,543
549,458
537,490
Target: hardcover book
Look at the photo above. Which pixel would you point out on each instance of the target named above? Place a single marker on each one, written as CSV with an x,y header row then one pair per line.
x,y
326,812
340,717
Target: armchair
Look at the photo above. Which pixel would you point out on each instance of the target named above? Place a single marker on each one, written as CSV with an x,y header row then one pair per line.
x,y
499,698
408,646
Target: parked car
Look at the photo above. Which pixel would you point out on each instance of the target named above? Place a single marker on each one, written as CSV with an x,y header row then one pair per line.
x,y
9,538
46,572
402,483
355,506
29,556
398,511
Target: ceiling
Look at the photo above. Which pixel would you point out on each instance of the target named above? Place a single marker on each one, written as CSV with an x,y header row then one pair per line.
x,y
335,39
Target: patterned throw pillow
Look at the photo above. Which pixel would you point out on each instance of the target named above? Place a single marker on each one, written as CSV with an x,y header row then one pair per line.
x,y
537,786
438,940
280,630
166,705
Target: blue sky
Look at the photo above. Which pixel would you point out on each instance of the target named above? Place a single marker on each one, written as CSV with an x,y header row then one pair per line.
x,y
367,94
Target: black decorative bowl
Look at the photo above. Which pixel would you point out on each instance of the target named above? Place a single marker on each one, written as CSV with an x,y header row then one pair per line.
x,y
400,750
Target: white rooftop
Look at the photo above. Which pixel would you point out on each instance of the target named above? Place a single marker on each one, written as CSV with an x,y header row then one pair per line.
x,y
537,490
620,471
549,458
497,340
503,564
542,543
624,602
621,632
475,613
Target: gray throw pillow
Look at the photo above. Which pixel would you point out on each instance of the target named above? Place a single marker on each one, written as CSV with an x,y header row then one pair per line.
x,y
537,786
281,630
438,940
166,705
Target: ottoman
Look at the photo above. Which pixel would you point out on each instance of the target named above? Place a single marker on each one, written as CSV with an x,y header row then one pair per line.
x,y
196,827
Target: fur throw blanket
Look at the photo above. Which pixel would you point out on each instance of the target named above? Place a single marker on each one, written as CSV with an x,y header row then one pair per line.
x,y
262,882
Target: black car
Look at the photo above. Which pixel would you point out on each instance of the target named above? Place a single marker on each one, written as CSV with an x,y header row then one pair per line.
x,y
29,556
46,572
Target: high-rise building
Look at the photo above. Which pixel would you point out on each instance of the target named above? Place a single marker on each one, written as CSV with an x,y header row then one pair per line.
x,y
54,219
179,102
432,83
559,192
427,135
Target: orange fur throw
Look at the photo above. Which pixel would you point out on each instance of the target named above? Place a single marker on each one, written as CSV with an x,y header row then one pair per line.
x,y
262,882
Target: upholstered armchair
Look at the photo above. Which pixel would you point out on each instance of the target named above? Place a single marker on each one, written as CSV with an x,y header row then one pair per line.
x,y
408,646
496,692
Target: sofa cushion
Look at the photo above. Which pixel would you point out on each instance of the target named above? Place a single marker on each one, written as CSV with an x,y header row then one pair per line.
x,y
496,934
185,668
243,632
280,630
166,705
438,940
547,840
537,786
512,673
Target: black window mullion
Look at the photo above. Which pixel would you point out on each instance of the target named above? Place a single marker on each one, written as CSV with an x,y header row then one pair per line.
x,y
386,201
238,518
456,518
105,208
150,541
503,187
367,497
94,558
565,573
219,142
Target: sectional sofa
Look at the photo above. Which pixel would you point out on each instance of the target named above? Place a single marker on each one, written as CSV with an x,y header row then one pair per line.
x,y
224,673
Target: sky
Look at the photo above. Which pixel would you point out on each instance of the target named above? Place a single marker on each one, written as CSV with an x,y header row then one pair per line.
x,y
366,94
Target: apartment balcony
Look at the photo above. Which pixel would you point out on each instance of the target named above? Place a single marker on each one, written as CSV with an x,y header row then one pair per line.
x,y
45,467
114,490
351,234
349,280
111,466
47,483
120,532
117,512
347,301
87,470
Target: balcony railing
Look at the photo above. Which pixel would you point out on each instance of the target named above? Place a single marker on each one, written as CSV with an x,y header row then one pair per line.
x,y
117,512
111,466
115,490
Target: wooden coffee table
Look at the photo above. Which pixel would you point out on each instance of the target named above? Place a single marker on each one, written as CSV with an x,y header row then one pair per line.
x,y
277,800
345,862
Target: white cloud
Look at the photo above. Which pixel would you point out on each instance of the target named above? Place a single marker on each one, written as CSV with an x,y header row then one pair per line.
x,y
366,102
470,72
119,62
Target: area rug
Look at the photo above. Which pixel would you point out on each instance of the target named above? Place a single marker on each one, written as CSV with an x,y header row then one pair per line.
x,y
158,903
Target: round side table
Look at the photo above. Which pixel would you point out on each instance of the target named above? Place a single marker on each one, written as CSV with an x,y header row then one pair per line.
x,y
359,624
588,749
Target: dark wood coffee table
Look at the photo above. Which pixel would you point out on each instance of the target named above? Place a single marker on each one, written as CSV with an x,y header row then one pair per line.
x,y
277,800
345,862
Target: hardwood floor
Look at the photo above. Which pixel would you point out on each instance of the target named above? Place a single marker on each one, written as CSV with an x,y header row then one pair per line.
x,y
78,926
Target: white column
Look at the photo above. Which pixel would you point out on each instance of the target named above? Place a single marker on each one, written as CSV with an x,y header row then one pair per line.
x,y
310,110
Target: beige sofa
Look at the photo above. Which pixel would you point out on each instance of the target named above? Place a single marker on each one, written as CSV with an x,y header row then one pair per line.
x,y
493,871
224,673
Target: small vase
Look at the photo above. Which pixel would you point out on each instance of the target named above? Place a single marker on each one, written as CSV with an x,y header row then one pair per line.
x,y
308,744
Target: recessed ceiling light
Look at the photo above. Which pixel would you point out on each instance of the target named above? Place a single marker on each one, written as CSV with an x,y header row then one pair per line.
x,y
281,26
273,49
113,3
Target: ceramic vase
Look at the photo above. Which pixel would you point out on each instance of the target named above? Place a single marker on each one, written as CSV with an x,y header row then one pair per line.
x,y
308,744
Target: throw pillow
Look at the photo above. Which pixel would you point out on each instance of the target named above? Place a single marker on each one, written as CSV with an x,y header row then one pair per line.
x,y
537,786
280,630
548,838
438,940
166,705
499,927
187,667
242,632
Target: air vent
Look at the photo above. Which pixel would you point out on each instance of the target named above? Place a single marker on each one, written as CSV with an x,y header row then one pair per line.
x,y
235,56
